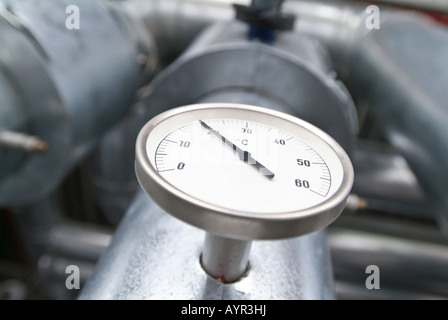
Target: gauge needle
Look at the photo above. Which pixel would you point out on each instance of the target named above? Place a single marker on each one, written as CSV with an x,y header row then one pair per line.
x,y
245,156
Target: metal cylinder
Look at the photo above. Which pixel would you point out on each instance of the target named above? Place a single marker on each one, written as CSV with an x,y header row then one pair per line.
x,y
294,74
116,188
176,23
401,84
69,86
45,230
20,141
411,268
155,256
12,118
411,107
225,259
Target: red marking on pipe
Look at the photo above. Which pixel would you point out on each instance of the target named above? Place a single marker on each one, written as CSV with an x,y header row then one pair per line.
x,y
221,278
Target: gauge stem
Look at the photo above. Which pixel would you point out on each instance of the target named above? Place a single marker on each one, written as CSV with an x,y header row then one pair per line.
x,y
225,259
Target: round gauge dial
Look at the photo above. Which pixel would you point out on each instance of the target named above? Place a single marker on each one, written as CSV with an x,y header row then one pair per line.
x,y
243,171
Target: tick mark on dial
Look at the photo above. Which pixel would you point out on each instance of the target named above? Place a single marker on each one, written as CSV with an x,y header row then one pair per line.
x,y
244,156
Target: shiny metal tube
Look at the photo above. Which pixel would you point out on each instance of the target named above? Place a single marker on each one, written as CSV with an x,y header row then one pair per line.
x,y
225,259
12,118
294,74
78,241
69,87
337,24
23,142
430,5
175,23
49,244
115,189
410,268
402,85
45,231
155,256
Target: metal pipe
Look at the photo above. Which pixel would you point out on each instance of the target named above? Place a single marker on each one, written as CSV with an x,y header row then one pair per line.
x,y
225,259
175,23
155,256
385,180
294,74
430,5
78,241
402,85
398,258
115,189
21,141
164,259
12,118
62,93
51,243
45,230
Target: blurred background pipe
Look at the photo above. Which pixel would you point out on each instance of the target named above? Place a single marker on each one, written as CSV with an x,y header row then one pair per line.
x,y
175,23
78,83
430,5
396,82
50,243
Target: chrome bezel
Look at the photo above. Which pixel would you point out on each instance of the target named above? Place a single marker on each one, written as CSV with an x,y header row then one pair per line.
x,y
224,221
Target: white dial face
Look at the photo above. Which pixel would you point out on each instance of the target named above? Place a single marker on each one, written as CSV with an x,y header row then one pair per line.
x,y
246,166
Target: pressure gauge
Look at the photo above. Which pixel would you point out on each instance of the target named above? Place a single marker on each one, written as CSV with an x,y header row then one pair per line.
x,y
243,172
